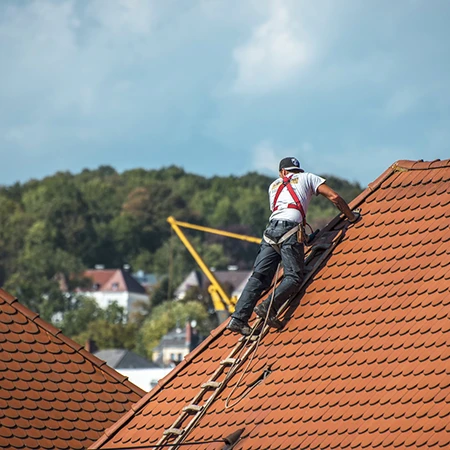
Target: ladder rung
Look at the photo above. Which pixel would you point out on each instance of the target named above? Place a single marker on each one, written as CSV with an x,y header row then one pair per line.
x,y
176,431
251,338
211,385
228,361
192,408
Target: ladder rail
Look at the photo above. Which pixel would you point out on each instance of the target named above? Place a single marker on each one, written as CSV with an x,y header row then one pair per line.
x,y
219,389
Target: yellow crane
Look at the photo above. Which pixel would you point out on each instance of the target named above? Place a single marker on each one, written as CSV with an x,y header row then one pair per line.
x,y
223,304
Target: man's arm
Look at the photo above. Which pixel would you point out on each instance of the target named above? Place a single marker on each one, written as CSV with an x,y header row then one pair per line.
x,y
337,200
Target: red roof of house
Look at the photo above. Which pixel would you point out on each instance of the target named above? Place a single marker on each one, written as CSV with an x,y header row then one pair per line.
x,y
363,361
109,280
53,393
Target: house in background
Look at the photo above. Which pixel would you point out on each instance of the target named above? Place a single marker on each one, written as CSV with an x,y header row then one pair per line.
x,y
121,358
176,344
147,280
231,280
115,285
138,370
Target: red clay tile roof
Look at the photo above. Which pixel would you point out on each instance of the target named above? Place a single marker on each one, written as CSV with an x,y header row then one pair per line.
x,y
53,393
109,280
363,361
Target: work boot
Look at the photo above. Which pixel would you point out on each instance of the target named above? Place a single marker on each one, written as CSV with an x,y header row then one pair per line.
x,y
261,311
239,326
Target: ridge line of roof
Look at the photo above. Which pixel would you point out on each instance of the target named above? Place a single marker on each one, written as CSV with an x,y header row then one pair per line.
x,y
56,332
398,166
404,164
420,164
371,187
111,431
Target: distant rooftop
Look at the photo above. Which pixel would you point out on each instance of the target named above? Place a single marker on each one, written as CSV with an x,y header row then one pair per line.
x,y
124,359
112,280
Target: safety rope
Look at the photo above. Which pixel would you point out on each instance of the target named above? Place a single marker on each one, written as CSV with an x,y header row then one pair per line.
x,y
230,372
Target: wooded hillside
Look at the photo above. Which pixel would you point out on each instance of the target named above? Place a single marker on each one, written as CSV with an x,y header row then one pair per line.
x,y
65,223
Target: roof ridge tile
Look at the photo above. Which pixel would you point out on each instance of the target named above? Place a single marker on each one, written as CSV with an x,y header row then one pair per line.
x,y
420,164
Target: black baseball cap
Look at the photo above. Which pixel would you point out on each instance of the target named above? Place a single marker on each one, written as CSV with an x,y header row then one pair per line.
x,y
290,163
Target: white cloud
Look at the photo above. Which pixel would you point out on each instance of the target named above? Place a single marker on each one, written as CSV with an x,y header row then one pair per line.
x,y
275,53
265,156
83,80
62,59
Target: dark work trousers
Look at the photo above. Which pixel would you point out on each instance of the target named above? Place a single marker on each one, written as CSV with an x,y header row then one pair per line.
x,y
266,263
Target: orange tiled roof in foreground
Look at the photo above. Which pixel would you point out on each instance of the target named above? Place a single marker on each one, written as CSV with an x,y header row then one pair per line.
x,y
53,393
363,361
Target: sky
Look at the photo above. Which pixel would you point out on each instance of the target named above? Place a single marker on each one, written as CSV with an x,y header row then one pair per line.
x,y
222,87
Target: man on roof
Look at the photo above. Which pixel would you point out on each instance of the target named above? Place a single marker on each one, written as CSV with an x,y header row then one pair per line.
x,y
283,240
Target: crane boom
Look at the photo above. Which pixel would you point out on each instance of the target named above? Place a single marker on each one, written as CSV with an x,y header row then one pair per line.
x,y
223,304
242,237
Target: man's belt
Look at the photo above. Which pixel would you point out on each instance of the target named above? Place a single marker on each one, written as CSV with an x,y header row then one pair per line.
x,y
276,243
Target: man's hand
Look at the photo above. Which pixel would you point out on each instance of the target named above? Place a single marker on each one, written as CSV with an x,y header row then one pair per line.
x,y
356,216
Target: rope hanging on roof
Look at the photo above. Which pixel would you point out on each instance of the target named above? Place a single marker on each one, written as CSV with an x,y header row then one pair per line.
x,y
247,391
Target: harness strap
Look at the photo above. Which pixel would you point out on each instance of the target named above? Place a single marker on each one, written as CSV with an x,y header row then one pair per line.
x,y
276,244
297,205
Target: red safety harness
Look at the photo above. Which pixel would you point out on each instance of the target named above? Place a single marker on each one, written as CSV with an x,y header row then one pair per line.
x,y
297,205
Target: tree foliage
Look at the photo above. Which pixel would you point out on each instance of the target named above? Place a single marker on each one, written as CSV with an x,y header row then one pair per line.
x,y
51,230
166,317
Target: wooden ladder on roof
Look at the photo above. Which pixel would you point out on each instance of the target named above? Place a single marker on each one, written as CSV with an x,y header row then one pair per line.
x,y
192,413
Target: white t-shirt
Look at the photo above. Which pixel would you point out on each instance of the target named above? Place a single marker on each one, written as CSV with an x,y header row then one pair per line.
x,y
305,185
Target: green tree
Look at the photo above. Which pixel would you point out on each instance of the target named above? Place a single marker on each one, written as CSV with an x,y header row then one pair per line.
x,y
40,269
109,335
13,227
108,327
253,208
161,292
224,214
59,204
165,317
81,312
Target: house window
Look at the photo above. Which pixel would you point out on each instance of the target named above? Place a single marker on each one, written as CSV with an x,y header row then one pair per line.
x,y
115,286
